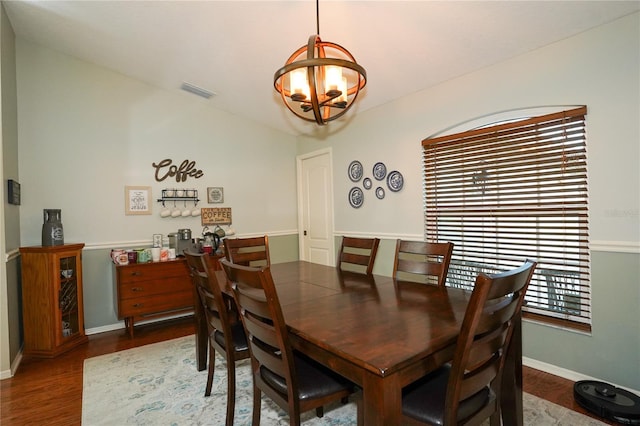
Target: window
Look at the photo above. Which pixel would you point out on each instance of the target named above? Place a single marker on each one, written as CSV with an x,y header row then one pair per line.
x,y
513,191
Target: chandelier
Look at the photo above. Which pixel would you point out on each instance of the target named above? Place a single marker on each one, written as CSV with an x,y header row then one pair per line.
x,y
320,81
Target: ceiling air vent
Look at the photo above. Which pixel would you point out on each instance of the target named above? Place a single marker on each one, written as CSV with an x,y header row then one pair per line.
x,y
187,87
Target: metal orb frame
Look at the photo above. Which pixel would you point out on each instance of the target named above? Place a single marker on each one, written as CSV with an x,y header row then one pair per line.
x,y
326,105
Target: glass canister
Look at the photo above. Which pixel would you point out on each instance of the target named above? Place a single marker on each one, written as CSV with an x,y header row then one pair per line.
x,y
52,234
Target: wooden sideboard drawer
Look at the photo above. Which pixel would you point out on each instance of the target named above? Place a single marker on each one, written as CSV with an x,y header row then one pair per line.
x,y
147,288
152,271
154,304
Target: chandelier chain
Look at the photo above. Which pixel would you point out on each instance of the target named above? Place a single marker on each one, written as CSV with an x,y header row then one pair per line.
x,y
318,17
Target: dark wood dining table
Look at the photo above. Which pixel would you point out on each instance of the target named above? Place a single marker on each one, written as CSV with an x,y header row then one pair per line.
x,y
380,333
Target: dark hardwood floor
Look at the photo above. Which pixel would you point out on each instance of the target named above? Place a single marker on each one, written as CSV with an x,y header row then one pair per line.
x,y
49,391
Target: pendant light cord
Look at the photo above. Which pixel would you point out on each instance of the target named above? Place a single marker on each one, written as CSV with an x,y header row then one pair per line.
x,y
318,17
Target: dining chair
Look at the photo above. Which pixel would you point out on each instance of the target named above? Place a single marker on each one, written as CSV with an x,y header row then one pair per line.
x,y
467,390
293,381
225,331
422,261
248,251
358,254
563,289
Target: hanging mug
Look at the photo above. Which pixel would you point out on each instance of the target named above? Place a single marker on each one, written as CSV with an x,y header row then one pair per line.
x,y
219,231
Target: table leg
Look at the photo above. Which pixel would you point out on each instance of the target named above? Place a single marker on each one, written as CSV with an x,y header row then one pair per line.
x,y
511,398
382,400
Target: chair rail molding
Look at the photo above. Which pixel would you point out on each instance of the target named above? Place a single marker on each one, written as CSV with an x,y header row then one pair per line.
x,y
616,246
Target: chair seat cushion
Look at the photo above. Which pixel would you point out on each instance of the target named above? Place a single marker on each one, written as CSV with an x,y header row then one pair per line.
x,y
314,380
424,399
239,337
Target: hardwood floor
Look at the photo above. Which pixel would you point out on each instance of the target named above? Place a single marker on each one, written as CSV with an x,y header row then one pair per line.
x,y
49,391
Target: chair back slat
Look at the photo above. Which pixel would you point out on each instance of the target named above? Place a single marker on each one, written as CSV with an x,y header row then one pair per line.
x,y
485,335
419,267
475,382
492,343
261,329
422,261
263,339
358,254
252,251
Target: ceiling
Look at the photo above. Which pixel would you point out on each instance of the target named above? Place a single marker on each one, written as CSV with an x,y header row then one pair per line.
x,y
233,48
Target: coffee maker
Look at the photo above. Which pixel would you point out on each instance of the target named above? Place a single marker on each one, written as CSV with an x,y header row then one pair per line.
x,y
180,241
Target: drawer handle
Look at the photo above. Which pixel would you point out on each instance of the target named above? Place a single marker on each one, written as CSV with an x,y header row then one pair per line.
x,y
137,289
136,273
138,305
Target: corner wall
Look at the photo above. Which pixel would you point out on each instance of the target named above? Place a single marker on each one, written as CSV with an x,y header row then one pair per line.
x,y
10,311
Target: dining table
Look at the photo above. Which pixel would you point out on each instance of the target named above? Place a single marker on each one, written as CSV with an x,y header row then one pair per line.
x,y
379,332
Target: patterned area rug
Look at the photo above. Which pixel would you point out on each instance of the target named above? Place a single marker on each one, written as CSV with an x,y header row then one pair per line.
x,y
158,385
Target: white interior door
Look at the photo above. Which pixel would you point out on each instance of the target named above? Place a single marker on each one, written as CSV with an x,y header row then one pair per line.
x,y
315,207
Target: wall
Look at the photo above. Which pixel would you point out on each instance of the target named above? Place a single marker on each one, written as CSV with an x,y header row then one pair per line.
x,y
86,132
599,68
10,324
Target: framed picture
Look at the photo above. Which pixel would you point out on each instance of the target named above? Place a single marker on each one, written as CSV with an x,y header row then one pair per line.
x,y
14,192
137,200
215,195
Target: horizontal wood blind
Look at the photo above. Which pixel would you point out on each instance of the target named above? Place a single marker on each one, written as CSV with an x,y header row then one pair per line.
x,y
514,191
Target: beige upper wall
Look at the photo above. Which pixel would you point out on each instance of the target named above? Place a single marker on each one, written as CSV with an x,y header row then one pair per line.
x,y
87,132
599,68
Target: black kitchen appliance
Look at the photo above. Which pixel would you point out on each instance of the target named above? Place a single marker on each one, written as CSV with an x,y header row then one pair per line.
x,y
180,241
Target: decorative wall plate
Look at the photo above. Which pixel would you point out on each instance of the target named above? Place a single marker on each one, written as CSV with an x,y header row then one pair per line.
x,y
380,192
355,171
356,197
379,171
366,183
395,181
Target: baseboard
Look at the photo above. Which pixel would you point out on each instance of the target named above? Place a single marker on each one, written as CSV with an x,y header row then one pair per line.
x,y
564,373
120,325
7,374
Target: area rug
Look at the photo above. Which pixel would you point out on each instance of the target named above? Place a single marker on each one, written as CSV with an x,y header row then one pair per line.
x,y
159,384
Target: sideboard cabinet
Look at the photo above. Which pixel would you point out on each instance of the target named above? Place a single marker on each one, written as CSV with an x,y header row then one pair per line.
x,y
52,307
146,290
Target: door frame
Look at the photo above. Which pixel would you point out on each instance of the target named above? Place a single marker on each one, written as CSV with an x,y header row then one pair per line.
x,y
301,241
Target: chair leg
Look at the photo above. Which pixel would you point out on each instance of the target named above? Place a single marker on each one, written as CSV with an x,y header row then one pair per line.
x,y
212,367
231,390
257,398
320,412
495,419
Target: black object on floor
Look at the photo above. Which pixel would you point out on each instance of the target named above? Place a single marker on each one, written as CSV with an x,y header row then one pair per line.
x,y
608,401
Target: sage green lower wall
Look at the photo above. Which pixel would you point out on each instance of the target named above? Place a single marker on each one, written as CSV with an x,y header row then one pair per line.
x,y
100,313
611,352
